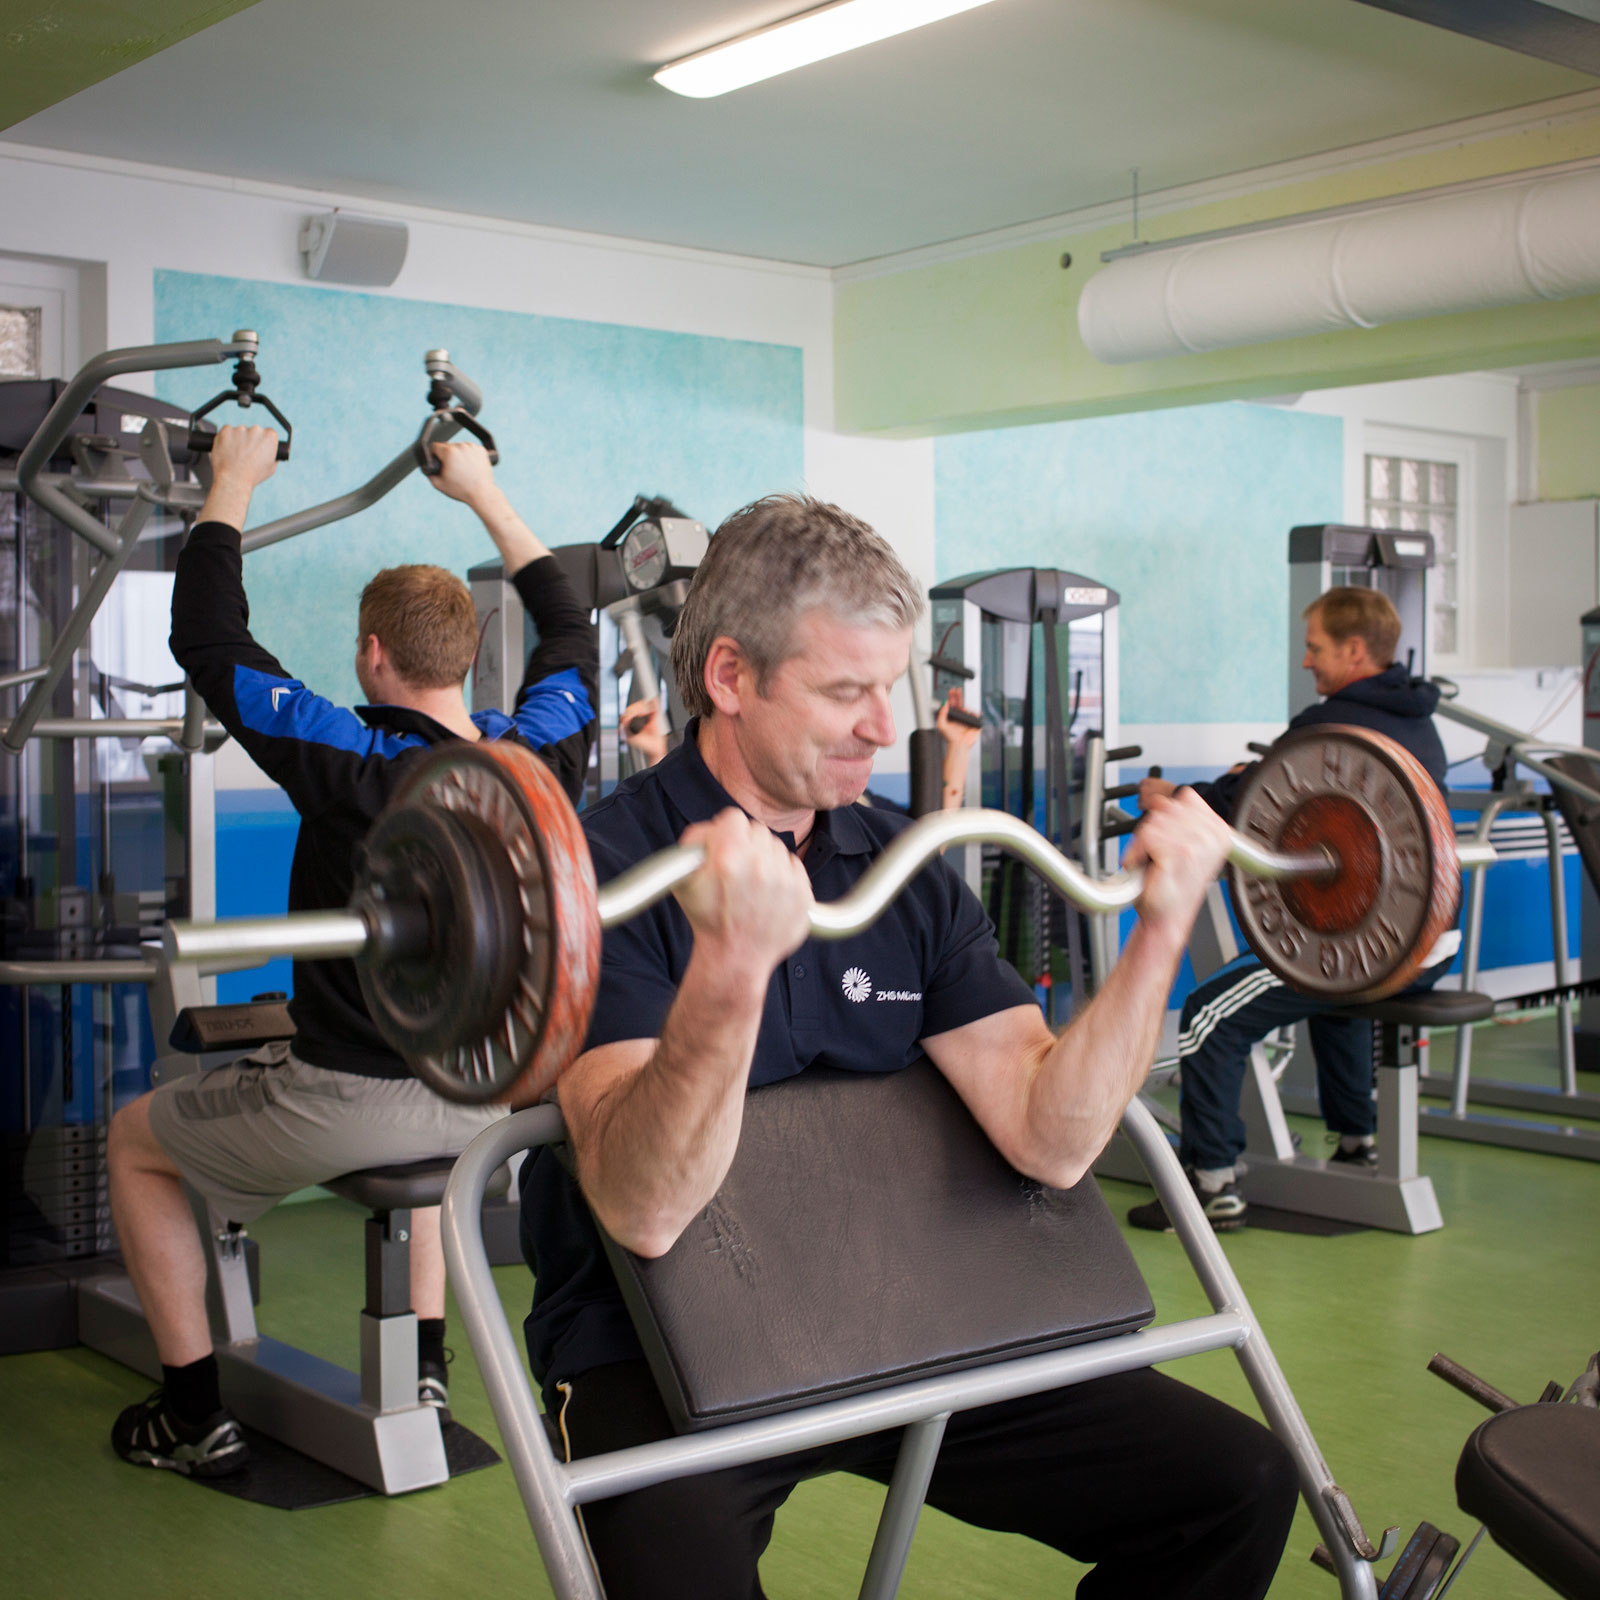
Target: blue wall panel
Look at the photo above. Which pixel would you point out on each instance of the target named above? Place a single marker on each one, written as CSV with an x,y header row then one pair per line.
x,y
256,832
1186,513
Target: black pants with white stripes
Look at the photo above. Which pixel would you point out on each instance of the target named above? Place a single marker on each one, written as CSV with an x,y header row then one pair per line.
x,y
1171,1495
1235,1007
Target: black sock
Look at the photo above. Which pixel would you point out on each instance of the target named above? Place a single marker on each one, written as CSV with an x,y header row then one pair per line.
x,y
430,1341
192,1391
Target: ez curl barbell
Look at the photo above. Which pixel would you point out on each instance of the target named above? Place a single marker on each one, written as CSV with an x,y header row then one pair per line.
x,y
476,921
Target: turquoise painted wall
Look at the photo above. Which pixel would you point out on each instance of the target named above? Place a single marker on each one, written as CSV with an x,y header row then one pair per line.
x,y
1186,513
586,415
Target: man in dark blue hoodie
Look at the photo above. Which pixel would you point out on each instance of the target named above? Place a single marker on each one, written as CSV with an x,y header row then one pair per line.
x,y
1351,636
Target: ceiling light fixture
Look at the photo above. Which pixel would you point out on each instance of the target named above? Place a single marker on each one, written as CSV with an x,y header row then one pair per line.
x,y
829,30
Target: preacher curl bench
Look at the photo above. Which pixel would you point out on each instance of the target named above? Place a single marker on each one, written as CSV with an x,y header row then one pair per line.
x,y
918,1138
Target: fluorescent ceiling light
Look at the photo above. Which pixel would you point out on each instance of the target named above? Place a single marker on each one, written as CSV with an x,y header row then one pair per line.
x,y
813,36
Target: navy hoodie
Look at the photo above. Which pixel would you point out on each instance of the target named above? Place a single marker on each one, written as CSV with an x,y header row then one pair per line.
x,y
1389,702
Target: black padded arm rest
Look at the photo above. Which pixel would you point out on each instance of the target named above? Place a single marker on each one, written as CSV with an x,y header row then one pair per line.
x,y
1532,1476
868,1233
236,1027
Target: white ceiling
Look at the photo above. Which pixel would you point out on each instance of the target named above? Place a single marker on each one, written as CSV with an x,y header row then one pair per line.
x,y
543,111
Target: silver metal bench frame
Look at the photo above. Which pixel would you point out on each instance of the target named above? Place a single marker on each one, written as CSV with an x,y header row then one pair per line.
x,y
552,1490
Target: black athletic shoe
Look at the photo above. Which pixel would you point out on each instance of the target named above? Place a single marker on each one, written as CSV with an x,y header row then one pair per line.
x,y
149,1435
1364,1156
1225,1210
433,1387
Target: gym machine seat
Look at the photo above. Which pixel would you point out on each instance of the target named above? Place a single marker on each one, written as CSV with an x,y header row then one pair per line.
x,y
388,1325
1432,1008
1532,1477
1396,1023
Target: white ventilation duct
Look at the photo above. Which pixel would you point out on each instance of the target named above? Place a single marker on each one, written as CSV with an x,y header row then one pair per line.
x,y
1505,245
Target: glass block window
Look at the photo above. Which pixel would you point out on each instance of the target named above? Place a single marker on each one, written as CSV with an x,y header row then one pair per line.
x,y
1422,496
19,341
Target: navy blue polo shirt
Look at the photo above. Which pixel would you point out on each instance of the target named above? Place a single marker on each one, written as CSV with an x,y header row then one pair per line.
x,y
928,964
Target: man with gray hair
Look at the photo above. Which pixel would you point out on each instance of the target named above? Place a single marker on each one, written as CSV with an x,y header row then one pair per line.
x,y
793,635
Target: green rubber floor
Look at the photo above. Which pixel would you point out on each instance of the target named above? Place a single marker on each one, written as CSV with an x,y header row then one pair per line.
x,y
1509,1287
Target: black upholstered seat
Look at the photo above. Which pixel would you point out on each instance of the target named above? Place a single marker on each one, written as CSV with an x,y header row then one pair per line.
x,y
1532,1476
411,1186
1433,1008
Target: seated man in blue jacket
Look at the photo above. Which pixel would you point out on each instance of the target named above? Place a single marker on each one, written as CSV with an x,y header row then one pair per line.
x,y
1351,637
248,1134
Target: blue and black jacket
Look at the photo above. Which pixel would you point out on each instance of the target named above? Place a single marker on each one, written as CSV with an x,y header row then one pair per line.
x,y
1390,702
341,767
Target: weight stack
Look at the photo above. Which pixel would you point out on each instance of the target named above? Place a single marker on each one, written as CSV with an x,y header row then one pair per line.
x,y
55,1200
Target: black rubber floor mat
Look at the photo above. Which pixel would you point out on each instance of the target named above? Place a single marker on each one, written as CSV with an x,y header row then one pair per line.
x,y
1275,1221
281,1477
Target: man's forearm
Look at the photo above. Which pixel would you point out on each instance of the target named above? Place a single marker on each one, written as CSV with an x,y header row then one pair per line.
x,y
1084,1082
655,1146
227,500
513,538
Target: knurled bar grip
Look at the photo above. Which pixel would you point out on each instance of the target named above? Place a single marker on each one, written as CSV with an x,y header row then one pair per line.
x,y
1470,1384
317,935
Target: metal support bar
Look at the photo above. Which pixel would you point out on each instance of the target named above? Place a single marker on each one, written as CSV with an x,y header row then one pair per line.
x,y
76,626
344,505
71,401
1558,935
119,728
1518,744
388,1236
20,974
908,1488
1472,938
192,735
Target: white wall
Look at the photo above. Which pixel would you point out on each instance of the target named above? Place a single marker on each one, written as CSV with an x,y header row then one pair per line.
x,y
1478,413
120,222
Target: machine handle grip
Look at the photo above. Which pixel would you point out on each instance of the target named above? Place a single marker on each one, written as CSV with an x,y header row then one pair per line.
x,y
422,451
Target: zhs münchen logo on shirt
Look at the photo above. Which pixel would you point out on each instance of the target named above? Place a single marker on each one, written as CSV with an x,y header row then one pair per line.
x,y
857,986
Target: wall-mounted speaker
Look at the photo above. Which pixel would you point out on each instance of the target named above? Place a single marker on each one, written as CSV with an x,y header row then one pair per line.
x,y
340,248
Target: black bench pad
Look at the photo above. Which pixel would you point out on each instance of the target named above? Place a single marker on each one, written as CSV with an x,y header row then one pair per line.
x,y
1532,1476
869,1233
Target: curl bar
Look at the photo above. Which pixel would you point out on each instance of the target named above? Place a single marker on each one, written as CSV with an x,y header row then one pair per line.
x,y
476,921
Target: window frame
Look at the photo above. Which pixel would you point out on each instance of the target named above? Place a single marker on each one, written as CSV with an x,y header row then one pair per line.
x,y
1461,452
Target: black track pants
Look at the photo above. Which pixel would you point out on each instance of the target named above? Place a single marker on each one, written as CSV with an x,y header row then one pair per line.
x,y
1167,1492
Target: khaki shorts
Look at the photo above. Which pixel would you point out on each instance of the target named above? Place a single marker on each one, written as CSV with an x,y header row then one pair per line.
x,y
248,1134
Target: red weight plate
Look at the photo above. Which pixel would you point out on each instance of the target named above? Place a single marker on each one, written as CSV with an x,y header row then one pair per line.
x,y
1364,933
1334,822
574,920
